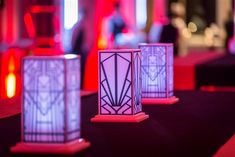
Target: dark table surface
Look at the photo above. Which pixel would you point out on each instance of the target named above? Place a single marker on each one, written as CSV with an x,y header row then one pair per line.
x,y
197,126
217,72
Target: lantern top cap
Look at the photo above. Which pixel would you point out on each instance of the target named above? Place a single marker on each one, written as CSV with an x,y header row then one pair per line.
x,y
66,56
156,44
119,50
70,56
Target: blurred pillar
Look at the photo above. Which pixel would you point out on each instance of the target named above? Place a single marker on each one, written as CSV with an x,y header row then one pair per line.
x,y
10,21
128,10
159,10
102,9
150,15
1,23
223,7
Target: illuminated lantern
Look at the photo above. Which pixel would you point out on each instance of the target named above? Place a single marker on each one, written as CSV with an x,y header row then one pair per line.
x,y
157,74
119,92
51,106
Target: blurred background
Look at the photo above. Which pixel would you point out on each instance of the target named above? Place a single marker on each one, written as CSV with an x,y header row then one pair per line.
x,y
199,29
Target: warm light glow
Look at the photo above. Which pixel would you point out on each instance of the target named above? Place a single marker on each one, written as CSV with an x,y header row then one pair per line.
x,y
208,32
208,41
186,33
141,13
102,43
10,83
208,36
70,56
11,66
192,27
70,13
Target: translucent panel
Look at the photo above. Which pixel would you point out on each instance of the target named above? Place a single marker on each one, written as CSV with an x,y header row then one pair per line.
x,y
51,100
116,82
157,70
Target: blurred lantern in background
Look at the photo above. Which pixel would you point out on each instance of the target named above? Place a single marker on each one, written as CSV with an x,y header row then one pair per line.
x,y
157,74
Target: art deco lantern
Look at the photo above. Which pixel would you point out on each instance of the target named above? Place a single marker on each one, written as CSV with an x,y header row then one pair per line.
x,y
157,74
51,106
119,95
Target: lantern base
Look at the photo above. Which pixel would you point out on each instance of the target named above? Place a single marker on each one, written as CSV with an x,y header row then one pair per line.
x,y
120,118
51,148
162,101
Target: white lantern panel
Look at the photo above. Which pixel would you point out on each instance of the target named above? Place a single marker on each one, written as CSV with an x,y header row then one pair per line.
x,y
51,100
117,71
157,70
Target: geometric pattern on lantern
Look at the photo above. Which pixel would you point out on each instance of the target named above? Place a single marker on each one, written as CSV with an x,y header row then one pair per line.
x,y
137,82
154,81
43,100
44,95
115,83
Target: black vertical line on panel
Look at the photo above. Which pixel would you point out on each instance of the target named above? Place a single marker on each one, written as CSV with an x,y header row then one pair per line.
x,y
139,78
121,96
167,70
132,110
136,80
106,95
23,130
116,84
99,83
106,79
65,138
125,94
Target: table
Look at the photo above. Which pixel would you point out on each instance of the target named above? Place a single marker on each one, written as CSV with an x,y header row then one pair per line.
x,y
216,72
197,126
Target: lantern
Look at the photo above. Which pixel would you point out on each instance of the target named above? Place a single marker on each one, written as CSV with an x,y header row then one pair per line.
x,y
119,95
157,74
51,106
